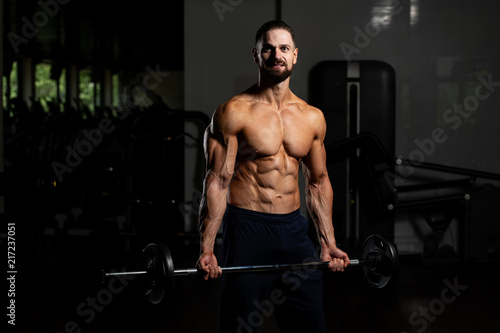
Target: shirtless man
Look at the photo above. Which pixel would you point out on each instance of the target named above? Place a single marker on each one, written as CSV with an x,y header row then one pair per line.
x,y
254,146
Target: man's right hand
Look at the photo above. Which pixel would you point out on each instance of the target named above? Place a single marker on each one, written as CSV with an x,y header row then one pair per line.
x,y
208,263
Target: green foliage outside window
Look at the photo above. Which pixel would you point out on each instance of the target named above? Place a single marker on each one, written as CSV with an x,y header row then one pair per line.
x,y
46,89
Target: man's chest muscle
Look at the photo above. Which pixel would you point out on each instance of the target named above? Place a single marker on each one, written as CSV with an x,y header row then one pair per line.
x,y
266,135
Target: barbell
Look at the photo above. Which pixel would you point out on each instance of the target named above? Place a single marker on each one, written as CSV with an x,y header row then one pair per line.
x,y
379,260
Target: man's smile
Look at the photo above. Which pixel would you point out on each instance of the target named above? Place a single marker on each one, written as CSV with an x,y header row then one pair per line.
x,y
277,65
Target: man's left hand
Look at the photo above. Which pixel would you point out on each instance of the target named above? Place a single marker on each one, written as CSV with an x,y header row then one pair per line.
x,y
338,259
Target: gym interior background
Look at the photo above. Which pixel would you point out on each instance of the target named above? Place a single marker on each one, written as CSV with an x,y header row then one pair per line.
x,y
110,157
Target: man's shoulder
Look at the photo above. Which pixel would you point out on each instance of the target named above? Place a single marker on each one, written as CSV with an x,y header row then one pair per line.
x,y
232,111
307,108
237,103
310,115
230,116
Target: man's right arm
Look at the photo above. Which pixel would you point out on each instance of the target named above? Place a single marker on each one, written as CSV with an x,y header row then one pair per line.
x,y
221,146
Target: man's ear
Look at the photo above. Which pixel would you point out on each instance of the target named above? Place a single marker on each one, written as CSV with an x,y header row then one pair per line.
x,y
255,55
295,55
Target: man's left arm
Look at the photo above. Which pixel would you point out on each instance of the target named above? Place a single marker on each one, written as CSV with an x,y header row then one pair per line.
x,y
319,200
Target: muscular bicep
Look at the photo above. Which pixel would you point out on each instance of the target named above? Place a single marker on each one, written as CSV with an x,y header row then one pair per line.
x,y
220,154
221,145
314,163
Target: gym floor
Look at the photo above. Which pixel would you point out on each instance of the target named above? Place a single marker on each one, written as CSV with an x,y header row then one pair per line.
x,y
61,291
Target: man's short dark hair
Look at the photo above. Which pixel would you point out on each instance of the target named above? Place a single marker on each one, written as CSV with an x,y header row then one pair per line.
x,y
273,25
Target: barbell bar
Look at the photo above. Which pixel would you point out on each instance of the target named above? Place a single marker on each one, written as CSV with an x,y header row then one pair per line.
x,y
248,269
379,260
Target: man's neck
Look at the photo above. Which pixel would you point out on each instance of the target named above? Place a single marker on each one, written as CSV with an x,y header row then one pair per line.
x,y
275,94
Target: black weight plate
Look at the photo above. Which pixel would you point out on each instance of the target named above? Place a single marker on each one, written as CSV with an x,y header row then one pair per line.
x,y
377,247
160,278
169,277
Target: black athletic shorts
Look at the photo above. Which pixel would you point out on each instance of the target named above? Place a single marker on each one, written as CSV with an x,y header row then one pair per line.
x,y
294,297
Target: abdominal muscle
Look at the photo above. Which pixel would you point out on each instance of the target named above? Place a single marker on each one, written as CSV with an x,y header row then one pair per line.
x,y
266,184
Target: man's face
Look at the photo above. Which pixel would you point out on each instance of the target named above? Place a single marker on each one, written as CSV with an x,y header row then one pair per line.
x,y
276,54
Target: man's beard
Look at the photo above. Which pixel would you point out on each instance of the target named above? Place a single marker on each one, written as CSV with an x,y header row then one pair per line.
x,y
276,76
